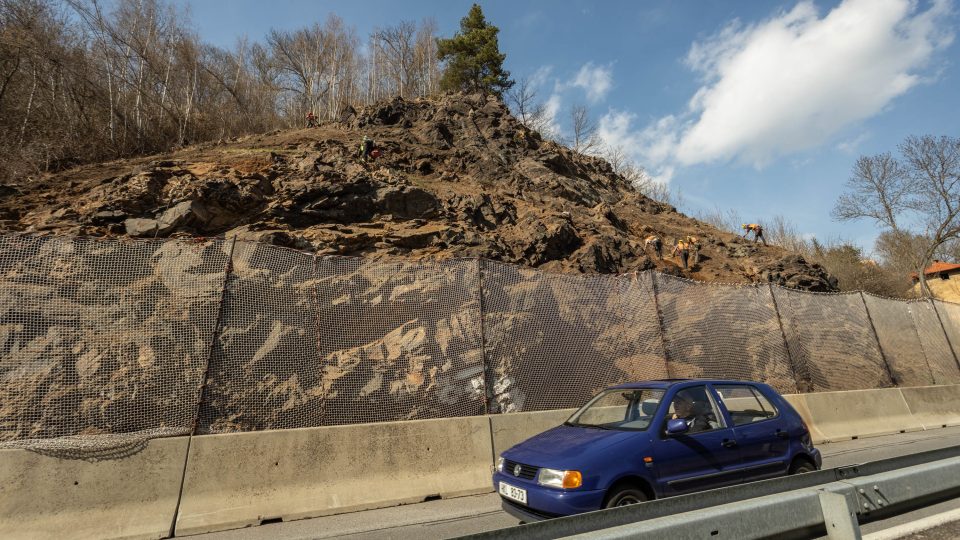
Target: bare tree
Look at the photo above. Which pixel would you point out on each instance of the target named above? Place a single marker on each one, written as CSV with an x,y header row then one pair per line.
x,y
397,46
660,191
426,67
403,61
877,189
585,140
625,166
522,100
917,194
782,232
316,68
900,252
726,220
86,80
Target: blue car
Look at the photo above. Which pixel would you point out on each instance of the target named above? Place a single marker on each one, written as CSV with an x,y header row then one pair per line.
x,y
641,441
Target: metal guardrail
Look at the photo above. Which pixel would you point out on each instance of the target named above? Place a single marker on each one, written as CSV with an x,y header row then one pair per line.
x,y
830,502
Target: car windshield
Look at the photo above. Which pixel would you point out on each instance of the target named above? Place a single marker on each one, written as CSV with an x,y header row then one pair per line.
x,y
624,409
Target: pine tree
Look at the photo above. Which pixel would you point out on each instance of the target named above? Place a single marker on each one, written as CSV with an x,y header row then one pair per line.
x,y
473,58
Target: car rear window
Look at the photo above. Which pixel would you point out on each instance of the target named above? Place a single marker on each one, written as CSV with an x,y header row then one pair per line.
x,y
624,409
745,404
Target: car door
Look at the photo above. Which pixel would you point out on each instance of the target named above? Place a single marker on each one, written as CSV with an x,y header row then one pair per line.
x,y
700,459
760,433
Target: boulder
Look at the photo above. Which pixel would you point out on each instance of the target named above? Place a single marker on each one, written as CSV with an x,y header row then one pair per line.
x,y
551,241
414,238
141,227
188,214
409,202
105,217
794,272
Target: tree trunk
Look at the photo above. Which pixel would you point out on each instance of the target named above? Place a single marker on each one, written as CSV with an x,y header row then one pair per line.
x,y
26,115
6,81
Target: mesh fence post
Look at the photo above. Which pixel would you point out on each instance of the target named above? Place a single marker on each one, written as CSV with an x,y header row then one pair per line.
x,y
323,378
663,339
228,271
786,346
945,334
923,350
487,375
883,355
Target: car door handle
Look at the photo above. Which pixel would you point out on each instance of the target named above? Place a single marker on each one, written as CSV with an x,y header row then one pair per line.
x,y
727,443
783,434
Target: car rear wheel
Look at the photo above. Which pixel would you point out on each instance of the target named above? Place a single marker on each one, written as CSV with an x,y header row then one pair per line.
x,y
626,496
801,467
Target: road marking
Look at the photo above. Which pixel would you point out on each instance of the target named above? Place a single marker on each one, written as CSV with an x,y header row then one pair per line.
x,y
915,526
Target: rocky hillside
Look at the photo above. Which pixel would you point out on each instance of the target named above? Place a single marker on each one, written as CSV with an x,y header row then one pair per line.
x,y
458,177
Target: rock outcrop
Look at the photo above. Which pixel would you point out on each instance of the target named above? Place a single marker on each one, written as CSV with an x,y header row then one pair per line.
x,y
458,176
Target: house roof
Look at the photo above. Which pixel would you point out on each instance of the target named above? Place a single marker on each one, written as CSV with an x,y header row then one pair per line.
x,y
938,267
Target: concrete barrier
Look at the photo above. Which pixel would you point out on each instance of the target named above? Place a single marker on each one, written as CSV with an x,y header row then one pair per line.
x,y
241,479
129,497
836,416
800,405
934,406
513,428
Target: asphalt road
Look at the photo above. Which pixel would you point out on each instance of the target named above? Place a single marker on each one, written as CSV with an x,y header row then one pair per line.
x,y
949,531
465,515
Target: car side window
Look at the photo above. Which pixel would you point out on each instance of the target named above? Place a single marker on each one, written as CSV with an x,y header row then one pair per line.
x,y
694,405
745,404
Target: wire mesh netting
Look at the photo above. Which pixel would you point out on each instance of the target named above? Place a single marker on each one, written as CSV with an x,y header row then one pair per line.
x,y
899,340
265,370
950,319
103,337
935,344
106,343
552,340
400,340
723,332
830,339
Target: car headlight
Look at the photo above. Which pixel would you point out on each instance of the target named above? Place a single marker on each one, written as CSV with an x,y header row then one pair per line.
x,y
500,464
560,479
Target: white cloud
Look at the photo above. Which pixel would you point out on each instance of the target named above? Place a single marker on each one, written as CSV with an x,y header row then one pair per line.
x,y
530,20
849,146
792,82
551,113
651,147
596,81
540,76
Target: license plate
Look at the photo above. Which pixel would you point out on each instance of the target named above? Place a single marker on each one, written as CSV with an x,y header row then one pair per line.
x,y
514,493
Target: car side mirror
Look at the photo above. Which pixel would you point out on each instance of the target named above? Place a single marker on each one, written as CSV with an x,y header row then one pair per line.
x,y
677,426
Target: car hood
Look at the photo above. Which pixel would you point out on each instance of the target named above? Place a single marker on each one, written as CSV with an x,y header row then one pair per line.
x,y
566,445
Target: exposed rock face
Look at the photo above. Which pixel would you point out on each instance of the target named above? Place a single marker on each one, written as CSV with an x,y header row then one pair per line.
x,y
458,177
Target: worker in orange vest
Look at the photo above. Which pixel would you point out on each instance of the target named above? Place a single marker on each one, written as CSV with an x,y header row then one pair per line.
x,y
693,243
683,250
757,231
655,242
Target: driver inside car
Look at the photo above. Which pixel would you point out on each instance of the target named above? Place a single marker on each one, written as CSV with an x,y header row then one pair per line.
x,y
685,408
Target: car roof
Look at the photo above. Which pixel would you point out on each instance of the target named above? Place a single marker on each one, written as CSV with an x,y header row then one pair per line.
x,y
667,383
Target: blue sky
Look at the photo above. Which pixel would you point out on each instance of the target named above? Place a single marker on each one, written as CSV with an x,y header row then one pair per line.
x,y
761,107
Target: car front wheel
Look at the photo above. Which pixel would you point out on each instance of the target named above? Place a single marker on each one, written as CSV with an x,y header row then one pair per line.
x,y
626,496
802,467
